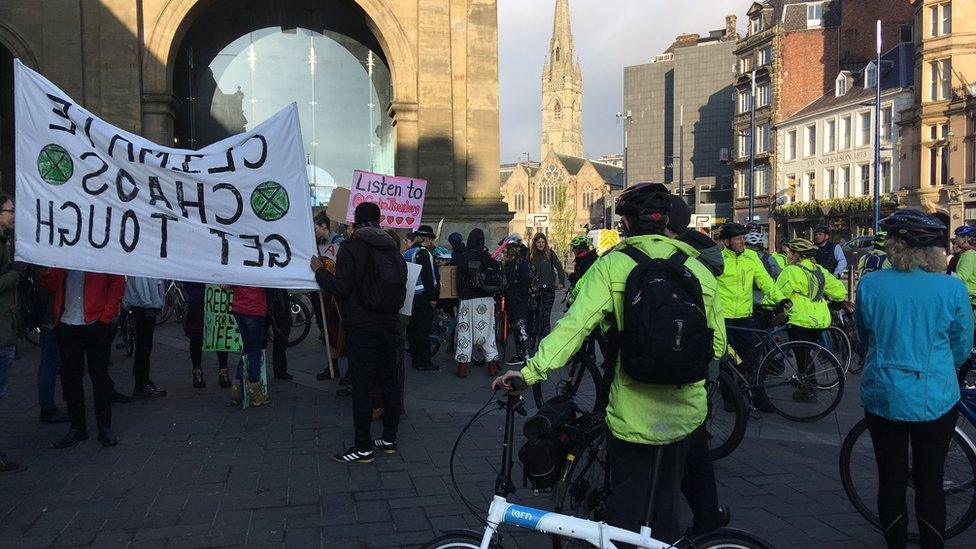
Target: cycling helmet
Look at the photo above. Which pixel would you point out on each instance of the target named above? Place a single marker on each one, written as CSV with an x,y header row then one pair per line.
x,y
821,229
754,239
731,230
513,238
646,201
802,246
441,252
916,228
580,243
879,239
965,230
752,227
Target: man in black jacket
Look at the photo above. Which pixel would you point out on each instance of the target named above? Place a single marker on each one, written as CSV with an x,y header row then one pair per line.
x,y
476,314
425,297
371,346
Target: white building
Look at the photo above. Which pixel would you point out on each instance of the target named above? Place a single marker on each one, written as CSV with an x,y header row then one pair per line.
x,y
827,148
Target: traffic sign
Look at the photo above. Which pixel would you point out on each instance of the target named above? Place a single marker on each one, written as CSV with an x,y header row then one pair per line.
x,y
702,221
540,220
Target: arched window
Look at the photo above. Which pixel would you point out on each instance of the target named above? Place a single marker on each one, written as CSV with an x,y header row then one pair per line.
x,y
556,55
552,177
519,200
557,111
587,197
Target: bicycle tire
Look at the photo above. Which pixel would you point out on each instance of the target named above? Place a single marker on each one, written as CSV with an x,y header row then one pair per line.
x,y
960,513
456,541
435,345
857,349
840,345
303,315
727,538
776,379
33,336
582,490
723,438
168,304
595,393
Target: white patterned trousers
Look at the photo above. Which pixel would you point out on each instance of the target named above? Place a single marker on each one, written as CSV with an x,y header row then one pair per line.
x,y
476,326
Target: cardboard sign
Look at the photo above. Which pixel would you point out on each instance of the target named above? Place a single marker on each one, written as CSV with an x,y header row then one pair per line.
x,y
220,331
96,198
449,282
413,273
401,199
338,204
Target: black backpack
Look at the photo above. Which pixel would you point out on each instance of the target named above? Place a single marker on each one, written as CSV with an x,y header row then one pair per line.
x,y
384,286
487,277
665,339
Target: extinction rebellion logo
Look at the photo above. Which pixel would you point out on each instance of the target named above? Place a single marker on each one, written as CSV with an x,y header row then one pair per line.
x,y
54,164
269,201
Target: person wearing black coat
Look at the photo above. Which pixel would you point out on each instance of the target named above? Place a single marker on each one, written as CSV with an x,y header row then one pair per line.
x,y
476,313
279,311
425,297
518,275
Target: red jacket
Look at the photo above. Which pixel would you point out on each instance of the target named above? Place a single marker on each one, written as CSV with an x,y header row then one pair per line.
x,y
103,294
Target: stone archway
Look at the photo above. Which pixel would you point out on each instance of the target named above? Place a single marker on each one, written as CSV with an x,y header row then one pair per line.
x,y
170,24
16,45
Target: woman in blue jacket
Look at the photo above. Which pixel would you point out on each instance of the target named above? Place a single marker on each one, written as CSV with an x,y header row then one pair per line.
x,y
918,326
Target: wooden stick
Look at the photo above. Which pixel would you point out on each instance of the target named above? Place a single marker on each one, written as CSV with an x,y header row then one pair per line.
x,y
325,335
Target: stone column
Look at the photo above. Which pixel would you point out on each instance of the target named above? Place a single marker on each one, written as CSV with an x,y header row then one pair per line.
x,y
158,117
404,115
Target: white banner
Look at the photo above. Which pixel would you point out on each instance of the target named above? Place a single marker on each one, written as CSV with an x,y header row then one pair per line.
x,y
93,197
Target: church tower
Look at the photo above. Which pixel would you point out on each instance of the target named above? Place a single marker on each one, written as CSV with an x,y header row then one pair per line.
x,y
562,90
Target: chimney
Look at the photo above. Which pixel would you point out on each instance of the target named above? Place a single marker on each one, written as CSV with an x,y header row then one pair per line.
x,y
730,32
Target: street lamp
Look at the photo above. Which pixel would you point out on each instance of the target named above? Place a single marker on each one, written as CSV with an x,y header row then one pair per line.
x,y
877,135
752,148
625,118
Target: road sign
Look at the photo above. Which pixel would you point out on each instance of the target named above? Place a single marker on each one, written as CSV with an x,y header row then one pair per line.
x,y
540,220
702,221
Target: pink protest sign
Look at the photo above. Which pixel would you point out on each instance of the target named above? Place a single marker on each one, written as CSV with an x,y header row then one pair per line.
x,y
401,199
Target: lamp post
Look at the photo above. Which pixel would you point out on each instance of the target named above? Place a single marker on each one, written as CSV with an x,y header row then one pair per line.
x,y
626,118
877,134
681,154
752,148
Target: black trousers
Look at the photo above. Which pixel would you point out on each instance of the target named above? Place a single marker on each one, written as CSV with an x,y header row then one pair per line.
x,y
144,320
804,334
743,342
631,466
372,354
196,353
90,343
929,442
418,332
280,332
698,483
540,320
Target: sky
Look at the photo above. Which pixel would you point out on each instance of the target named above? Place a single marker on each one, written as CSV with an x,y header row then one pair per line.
x,y
609,35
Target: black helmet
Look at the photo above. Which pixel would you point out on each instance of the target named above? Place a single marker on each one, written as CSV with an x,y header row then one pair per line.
x,y
821,229
646,201
731,230
916,228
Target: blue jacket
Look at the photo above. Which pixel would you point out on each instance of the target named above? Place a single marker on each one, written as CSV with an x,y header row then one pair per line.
x,y
144,292
917,327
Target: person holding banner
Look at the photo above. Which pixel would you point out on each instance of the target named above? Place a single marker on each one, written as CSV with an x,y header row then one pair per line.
x,y
145,298
370,280
425,298
250,308
85,306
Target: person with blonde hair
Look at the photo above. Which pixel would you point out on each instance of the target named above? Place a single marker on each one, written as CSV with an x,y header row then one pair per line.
x,y
917,325
552,277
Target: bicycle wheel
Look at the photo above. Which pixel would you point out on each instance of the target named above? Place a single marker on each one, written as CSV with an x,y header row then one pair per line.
x,y
456,541
857,350
839,344
33,336
801,394
727,538
581,380
727,416
859,475
168,305
583,490
300,320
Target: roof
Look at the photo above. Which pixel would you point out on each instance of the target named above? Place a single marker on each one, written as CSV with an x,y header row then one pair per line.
x,y
610,173
793,16
573,164
897,72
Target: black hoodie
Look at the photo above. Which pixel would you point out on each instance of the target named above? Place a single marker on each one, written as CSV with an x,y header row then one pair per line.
x,y
352,261
476,252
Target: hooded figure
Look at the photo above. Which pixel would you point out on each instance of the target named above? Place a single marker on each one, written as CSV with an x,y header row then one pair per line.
x,y
476,314
457,247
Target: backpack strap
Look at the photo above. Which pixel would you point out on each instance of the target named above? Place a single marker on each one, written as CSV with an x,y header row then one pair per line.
x,y
821,280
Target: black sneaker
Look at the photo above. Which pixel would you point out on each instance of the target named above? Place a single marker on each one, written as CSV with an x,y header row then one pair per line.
x,y
198,381
354,455
106,437
119,398
389,448
149,390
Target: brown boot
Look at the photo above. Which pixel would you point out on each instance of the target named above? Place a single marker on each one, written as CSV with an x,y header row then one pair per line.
x,y
462,369
493,368
257,394
235,394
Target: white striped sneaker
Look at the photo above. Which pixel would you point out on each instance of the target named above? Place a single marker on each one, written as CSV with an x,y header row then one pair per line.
x,y
354,455
384,446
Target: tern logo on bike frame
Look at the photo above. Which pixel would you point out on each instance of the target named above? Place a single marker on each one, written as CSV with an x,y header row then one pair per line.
x,y
526,517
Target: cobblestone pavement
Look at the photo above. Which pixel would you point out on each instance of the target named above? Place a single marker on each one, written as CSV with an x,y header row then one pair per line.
x,y
192,472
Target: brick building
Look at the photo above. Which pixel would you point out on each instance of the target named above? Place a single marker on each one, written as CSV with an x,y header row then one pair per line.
x,y
795,50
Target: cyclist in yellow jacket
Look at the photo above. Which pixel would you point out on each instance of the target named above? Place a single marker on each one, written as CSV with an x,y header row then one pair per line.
x,y
809,286
743,271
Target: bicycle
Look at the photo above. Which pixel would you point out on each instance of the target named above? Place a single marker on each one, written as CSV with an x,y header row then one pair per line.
x,y
791,390
727,416
300,321
596,533
858,470
844,321
443,332
174,303
127,331
581,379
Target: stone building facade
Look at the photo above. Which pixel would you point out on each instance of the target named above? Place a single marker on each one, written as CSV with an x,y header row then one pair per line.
x,y
402,86
795,50
688,84
938,133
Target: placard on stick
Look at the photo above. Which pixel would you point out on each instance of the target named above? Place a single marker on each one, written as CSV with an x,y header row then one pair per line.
x,y
220,331
401,199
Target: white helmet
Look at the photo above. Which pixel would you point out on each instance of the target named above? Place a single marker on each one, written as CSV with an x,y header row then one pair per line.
x,y
754,239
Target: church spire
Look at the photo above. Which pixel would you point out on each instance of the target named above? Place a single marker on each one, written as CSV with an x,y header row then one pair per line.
x,y
562,89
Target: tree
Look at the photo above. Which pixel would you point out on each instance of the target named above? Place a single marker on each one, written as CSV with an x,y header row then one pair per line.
x,y
562,222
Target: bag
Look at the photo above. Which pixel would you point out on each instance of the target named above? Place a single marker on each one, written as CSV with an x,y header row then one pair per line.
x,y
486,277
385,283
873,262
543,454
821,281
665,339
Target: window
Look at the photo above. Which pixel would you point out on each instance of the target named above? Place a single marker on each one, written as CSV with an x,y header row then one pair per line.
x,y
551,178
871,75
829,184
742,150
745,64
755,24
940,19
905,33
791,145
811,140
745,101
864,174
887,115
740,184
841,86
887,185
844,181
814,15
864,127
845,132
557,111
587,197
830,136
762,180
762,95
762,143
940,74
765,55
810,186
519,200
